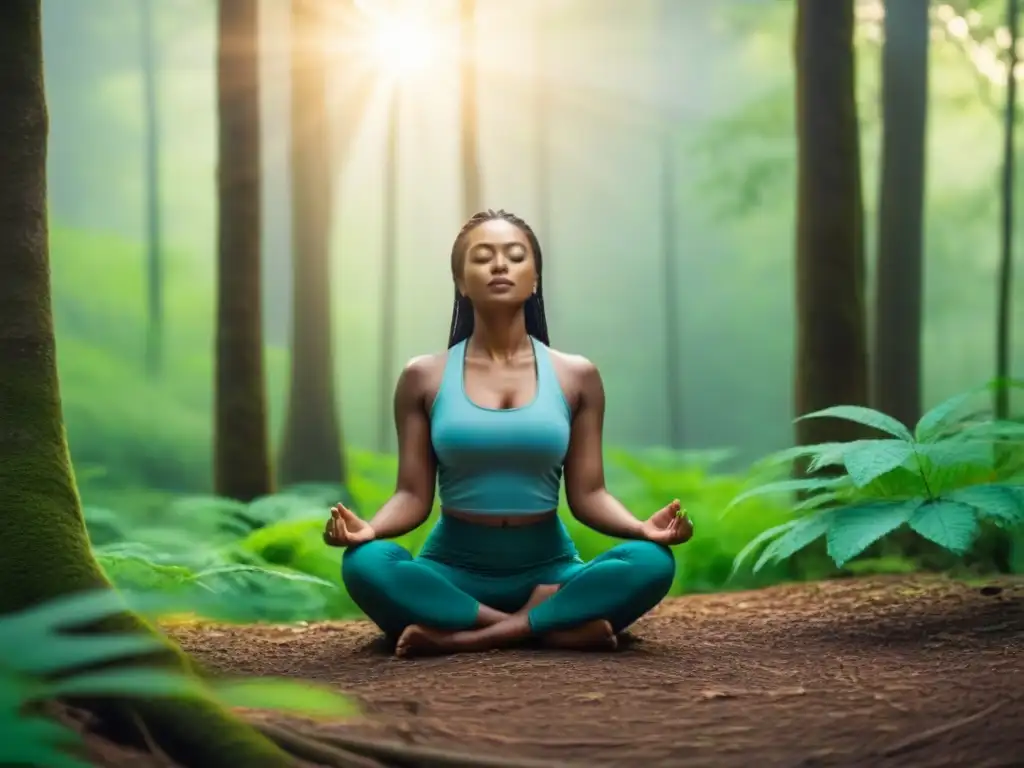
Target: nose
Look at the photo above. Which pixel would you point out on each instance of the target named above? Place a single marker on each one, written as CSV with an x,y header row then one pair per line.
x,y
499,264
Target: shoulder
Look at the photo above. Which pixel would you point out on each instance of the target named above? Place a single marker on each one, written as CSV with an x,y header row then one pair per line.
x,y
578,371
422,374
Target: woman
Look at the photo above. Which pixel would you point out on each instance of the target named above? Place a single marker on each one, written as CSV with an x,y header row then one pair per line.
x,y
496,419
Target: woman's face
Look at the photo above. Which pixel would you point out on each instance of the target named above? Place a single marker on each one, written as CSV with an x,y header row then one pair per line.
x,y
498,265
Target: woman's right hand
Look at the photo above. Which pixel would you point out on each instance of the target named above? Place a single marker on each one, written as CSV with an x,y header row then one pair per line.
x,y
345,529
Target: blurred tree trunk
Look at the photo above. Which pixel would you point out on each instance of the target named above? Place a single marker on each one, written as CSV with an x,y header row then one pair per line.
x,y
896,358
669,255
44,547
154,245
470,134
311,449
831,343
1005,303
241,454
389,274
542,159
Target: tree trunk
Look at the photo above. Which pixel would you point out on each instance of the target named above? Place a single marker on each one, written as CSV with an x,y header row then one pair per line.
x,y
44,547
389,275
1005,306
311,449
470,136
831,344
154,245
241,455
542,153
669,254
896,362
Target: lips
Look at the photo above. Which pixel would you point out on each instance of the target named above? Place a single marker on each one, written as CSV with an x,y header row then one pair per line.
x,y
501,282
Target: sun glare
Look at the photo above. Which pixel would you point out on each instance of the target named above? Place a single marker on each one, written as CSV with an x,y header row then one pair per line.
x,y
403,46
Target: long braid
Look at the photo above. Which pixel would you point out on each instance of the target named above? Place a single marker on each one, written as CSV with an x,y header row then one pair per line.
x,y
462,309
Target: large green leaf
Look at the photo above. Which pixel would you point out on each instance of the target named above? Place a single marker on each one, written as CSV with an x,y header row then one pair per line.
x,y
126,682
1002,504
788,486
869,417
284,695
806,531
833,456
857,527
950,524
873,458
758,540
58,652
930,425
947,453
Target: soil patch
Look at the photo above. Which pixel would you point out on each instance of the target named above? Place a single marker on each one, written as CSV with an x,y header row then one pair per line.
x,y
924,672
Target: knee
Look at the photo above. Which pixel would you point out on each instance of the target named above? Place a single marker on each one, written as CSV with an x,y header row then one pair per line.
x,y
654,564
366,563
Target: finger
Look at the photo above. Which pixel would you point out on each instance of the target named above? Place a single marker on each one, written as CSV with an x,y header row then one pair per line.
x,y
348,515
335,512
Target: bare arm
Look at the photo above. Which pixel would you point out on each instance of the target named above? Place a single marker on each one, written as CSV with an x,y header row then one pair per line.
x,y
589,500
410,505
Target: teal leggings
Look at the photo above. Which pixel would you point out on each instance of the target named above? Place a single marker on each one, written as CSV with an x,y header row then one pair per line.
x,y
463,565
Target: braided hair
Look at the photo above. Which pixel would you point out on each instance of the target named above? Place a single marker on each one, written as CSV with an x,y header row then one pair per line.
x,y
462,310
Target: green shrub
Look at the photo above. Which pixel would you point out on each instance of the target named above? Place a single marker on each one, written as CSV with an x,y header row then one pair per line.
x,y
40,661
944,481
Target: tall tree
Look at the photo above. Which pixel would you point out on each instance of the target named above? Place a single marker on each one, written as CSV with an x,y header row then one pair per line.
x,y
669,255
241,453
1005,304
896,358
831,339
389,272
542,139
468,111
44,548
311,449
154,243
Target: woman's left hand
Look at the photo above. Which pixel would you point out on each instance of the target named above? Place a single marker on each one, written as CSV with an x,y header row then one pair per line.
x,y
668,526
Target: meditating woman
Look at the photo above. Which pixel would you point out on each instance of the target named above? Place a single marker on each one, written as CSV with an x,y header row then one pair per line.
x,y
495,420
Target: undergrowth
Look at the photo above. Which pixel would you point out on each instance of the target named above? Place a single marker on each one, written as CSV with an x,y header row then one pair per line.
x,y
946,480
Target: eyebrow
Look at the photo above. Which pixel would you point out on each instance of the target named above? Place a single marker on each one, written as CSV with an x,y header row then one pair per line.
x,y
484,244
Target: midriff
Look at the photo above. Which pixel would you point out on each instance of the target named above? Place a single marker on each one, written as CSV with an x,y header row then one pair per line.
x,y
498,520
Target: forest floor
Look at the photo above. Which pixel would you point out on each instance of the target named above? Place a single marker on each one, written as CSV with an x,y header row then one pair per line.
x,y
879,672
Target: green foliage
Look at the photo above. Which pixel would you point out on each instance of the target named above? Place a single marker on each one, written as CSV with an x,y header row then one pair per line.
x,y
943,480
42,660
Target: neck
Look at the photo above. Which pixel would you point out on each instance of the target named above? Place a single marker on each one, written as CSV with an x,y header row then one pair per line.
x,y
499,338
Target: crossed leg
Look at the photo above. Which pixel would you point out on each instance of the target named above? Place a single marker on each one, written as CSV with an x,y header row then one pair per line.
x,y
596,601
399,593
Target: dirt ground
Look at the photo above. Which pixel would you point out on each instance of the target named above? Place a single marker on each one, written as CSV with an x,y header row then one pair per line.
x,y
868,672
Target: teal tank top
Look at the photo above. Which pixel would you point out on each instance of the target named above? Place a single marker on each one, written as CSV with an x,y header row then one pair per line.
x,y
499,461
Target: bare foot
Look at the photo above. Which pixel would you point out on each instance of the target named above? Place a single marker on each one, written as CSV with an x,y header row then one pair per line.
x,y
421,641
596,635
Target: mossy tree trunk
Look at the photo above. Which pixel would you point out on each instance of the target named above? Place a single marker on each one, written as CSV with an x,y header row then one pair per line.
x,y
831,344
44,547
311,449
241,451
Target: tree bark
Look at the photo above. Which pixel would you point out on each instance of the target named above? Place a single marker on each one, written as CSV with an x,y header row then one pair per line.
x,y
44,547
831,343
241,453
896,359
311,449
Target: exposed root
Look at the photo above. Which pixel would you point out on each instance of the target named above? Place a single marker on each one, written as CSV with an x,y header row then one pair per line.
x,y
393,754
